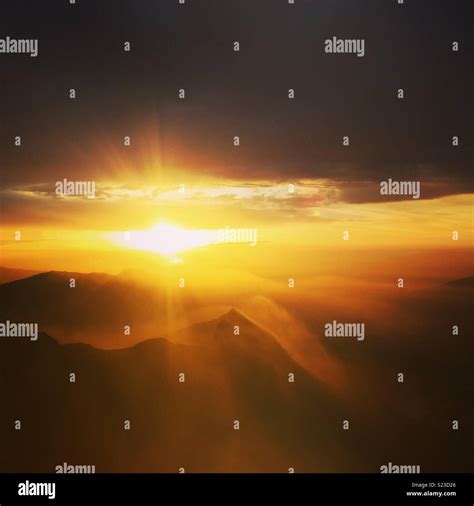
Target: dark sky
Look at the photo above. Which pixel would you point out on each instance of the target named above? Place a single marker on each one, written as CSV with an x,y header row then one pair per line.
x,y
282,46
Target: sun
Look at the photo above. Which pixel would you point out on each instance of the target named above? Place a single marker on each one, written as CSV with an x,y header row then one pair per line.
x,y
164,238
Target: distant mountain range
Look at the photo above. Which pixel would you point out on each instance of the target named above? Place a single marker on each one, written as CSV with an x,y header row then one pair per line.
x,y
234,370
7,275
462,282
174,424
95,310
100,305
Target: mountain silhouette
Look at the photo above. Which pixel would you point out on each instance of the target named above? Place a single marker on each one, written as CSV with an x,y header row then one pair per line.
x,y
94,310
234,370
462,282
174,424
7,274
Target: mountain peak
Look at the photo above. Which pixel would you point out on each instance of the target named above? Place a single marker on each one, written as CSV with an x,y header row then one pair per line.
x,y
234,316
232,313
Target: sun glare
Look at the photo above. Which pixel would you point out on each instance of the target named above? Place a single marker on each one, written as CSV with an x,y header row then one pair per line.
x,y
164,238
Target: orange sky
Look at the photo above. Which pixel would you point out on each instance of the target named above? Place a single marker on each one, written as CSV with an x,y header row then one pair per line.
x,y
296,230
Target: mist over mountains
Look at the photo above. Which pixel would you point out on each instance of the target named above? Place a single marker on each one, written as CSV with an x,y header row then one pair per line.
x,y
174,424
229,375
94,311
